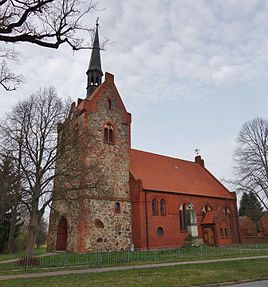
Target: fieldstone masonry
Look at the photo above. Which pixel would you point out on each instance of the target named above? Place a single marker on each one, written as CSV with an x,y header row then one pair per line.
x,y
101,170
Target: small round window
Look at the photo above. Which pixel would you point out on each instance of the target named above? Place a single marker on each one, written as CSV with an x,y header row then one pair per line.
x,y
160,231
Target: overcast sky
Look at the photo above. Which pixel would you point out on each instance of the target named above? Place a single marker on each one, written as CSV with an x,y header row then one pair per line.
x,y
190,72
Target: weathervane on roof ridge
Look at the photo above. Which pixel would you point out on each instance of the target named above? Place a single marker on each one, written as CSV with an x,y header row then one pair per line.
x,y
197,150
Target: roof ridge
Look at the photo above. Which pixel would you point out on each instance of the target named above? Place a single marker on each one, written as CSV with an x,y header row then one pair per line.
x,y
171,157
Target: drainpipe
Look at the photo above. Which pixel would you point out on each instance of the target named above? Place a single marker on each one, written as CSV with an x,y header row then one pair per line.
x,y
146,222
237,225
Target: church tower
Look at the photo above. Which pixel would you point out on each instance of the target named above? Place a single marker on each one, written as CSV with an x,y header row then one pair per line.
x,y
91,208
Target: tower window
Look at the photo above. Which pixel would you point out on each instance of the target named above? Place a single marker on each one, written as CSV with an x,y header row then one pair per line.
x,y
109,104
117,208
111,136
108,134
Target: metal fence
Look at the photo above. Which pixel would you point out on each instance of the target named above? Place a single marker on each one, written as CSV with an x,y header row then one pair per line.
x,y
93,259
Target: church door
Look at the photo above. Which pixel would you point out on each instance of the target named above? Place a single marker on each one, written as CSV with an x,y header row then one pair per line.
x,y
61,243
209,238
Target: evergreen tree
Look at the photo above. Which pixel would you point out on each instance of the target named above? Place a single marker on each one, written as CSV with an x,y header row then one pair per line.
x,y
5,221
9,215
244,202
251,207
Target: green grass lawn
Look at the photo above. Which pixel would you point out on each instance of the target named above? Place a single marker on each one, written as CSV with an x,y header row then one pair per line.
x,y
102,259
20,254
195,274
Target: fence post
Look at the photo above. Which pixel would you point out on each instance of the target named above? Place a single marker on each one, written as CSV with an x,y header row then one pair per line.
x,y
65,259
97,257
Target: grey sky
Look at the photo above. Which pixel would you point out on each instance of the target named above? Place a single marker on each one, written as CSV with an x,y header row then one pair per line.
x,y
190,72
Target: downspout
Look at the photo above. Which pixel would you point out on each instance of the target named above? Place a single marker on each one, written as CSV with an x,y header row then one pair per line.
x,y
237,225
146,222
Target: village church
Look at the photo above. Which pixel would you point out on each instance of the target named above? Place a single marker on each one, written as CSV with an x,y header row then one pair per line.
x,y
119,198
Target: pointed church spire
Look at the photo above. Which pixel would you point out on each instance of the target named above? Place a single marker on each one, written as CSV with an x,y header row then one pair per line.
x,y
94,72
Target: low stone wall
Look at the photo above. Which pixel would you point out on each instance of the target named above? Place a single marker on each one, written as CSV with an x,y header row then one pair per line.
x,y
254,239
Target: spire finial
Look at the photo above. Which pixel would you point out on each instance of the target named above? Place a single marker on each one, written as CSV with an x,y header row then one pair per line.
x,y
97,22
197,150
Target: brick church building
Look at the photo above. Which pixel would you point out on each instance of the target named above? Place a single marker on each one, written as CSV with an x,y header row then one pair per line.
x,y
109,196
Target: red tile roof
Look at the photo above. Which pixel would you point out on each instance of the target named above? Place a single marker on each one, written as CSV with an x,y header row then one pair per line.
x,y
210,217
162,173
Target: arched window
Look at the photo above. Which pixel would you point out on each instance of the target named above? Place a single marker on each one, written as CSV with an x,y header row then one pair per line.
x,y
105,137
163,208
229,215
160,231
111,135
154,206
117,208
182,215
108,134
109,104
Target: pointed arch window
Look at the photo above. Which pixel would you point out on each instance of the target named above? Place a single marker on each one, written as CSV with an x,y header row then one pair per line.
x,y
154,206
111,135
117,208
229,215
108,134
183,217
163,207
109,104
187,216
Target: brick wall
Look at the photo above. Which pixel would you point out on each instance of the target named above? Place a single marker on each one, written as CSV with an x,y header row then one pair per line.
x,y
173,236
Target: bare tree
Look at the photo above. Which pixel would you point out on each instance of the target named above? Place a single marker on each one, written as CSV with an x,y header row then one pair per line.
x,y
46,23
251,157
8,80
29,134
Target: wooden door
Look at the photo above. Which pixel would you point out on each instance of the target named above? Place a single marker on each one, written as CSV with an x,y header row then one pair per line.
x,y
61,243
209,238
